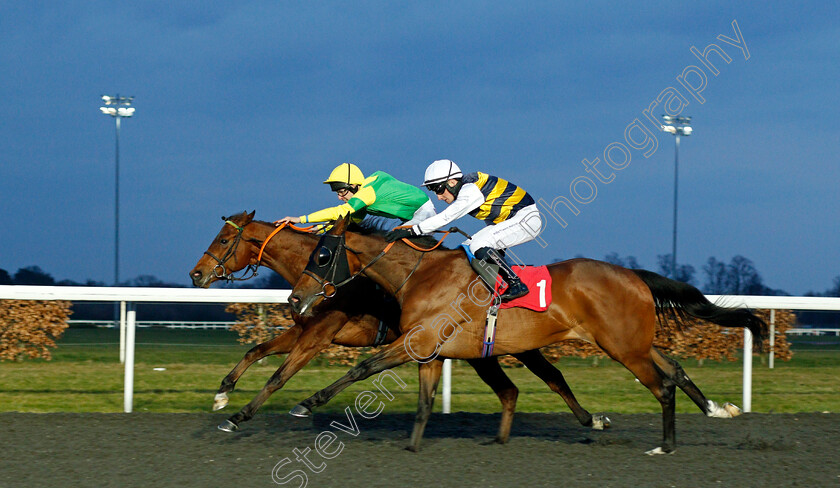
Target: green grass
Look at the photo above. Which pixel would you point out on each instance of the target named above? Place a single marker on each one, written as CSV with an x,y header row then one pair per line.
x,y
85,375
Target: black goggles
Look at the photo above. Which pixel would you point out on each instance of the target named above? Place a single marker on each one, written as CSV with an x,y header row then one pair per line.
x,y
436,188
338,186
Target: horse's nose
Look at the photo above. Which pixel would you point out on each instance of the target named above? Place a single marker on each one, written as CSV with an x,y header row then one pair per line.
x,y
196,276
294,301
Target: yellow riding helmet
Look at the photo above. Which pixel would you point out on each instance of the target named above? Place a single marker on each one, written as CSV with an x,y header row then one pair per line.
x,y
345,175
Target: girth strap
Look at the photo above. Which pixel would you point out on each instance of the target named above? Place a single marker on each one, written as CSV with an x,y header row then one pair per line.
x,y
381,334
490,332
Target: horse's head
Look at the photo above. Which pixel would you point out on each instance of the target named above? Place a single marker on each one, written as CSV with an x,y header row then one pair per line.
x,y
329,267
225,255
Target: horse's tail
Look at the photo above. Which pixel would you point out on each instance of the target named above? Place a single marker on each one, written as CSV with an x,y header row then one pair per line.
x,y
683,299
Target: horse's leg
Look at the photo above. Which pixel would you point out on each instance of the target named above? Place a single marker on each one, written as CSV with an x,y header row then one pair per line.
x,y
314,339
663,388
429,377
676,373
491,372
278,345
391,356
539,365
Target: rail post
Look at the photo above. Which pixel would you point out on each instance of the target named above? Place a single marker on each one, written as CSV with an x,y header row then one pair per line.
x,y
748,346
122,331
447,385
131,323
772,337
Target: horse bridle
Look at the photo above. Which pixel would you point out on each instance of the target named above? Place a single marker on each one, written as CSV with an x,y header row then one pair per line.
x,y
328,265
323,274
335,273
220,271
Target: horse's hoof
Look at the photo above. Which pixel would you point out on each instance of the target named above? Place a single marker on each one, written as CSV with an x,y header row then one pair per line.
x,y
300,411
600,422
494,442
727,411
220,401
659,450
732,409
228,426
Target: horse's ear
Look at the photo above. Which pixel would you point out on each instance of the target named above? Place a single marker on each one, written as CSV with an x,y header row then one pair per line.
x,y
340,225
250,216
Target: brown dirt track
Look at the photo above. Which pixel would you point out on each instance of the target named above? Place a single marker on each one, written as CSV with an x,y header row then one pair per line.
x,y
186,450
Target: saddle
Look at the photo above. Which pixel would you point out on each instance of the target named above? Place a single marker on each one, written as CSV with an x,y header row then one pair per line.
x,y
536,278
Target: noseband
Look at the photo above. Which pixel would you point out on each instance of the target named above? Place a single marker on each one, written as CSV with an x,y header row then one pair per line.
x,y
220,272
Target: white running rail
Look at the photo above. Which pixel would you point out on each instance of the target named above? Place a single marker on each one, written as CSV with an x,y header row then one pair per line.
x,y
127,297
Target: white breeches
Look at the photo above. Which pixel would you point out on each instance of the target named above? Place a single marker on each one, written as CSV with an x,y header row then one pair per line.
x,y
525,226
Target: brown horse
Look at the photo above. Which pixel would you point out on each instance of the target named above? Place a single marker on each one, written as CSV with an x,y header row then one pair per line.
x,y
355,319
610,306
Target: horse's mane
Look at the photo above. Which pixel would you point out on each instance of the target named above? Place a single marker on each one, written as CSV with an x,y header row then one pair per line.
x,y
262,222
422,241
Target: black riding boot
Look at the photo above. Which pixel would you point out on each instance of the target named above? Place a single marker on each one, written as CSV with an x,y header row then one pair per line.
x,y
515,287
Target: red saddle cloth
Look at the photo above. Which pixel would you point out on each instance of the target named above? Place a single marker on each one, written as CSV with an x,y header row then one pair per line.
x,y
538,281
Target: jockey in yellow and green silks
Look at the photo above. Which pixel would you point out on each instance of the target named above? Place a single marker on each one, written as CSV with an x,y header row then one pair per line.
x,y
379,195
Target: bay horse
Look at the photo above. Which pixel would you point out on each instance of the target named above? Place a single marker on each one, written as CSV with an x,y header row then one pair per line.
x,y
355,319
443,314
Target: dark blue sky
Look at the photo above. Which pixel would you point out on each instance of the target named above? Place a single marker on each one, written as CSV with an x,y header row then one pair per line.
x,y
248,106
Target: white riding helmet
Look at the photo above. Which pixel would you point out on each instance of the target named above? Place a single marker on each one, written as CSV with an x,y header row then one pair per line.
x,y
442,170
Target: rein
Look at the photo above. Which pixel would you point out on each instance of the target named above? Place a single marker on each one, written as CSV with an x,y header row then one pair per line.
x,y
423,253
274,232
418,248
335,286
220,271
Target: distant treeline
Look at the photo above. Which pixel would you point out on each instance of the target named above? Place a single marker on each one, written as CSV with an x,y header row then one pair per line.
x,y
737,277
34,275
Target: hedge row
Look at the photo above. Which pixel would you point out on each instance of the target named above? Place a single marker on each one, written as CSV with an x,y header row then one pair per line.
x,y
30,328
699,340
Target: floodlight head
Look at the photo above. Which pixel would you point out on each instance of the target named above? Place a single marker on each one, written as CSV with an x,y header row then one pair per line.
x,y
117,100
117,106
677,125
